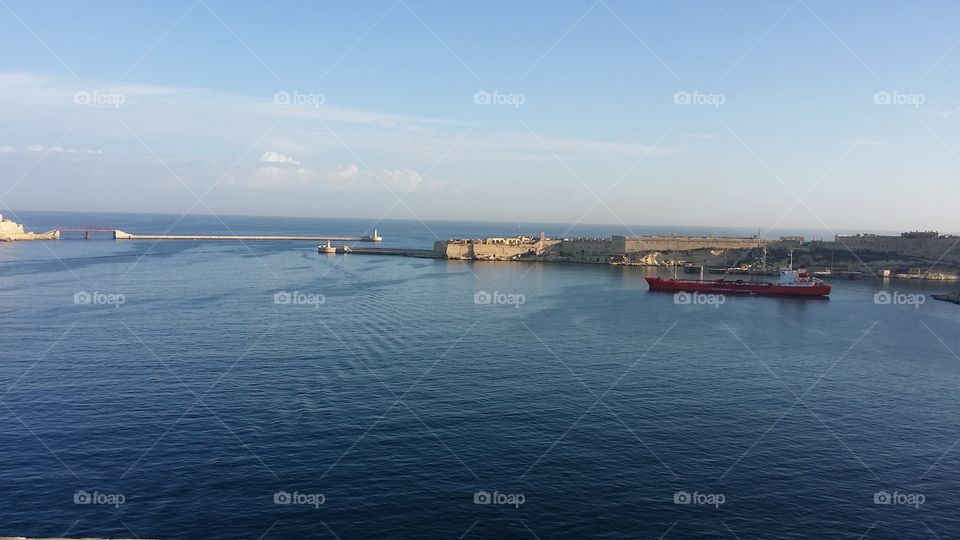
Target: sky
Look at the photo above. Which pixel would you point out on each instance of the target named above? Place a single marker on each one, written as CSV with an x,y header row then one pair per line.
x,y
761,114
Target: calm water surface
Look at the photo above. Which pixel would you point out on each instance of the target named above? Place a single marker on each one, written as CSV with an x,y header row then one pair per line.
x,y
200,400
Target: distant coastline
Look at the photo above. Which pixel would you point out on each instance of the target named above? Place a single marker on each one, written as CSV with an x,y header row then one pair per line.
x,y
909,255
40,219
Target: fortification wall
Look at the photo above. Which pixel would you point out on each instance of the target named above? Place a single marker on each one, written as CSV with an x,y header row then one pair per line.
x,y
471,249
926,248
586,247
8,227
590,249
633,244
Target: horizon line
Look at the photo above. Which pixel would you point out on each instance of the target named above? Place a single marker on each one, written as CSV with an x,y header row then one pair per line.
x,y
842,230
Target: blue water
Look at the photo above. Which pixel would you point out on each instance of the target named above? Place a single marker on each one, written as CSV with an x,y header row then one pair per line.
x,y
198,398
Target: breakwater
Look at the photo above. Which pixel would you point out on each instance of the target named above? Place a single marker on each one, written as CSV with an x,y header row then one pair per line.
x,y
11,230
400,252
121,235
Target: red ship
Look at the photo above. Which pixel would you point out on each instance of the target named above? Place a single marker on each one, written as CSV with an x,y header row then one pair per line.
x,y
791,283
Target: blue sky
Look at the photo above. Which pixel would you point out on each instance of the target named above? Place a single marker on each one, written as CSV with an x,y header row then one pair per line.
x,y
827,115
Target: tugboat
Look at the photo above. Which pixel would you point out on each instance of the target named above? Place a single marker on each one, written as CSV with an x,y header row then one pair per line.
x,y
791,283
327,248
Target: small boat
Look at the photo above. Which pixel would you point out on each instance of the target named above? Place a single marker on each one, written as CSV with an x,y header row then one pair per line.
x,y
327,248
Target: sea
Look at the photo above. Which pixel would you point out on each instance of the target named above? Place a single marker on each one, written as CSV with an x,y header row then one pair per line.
x,y
227,389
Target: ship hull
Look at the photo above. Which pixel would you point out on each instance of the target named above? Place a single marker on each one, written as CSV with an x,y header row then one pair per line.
x,y
736,287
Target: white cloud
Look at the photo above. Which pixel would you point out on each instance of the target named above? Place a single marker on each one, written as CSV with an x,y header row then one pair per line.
x,y
344,178
401,179
276,157
171,114
348,172
36,148
203,135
